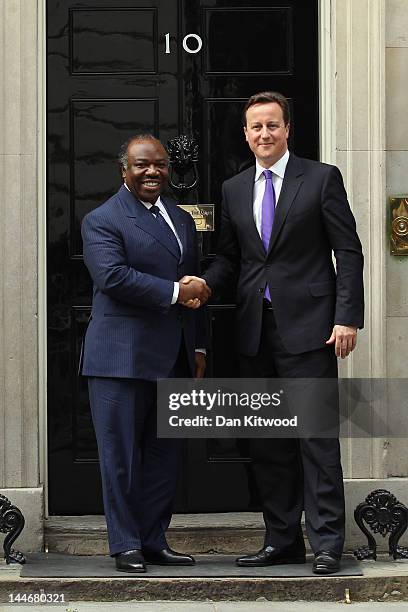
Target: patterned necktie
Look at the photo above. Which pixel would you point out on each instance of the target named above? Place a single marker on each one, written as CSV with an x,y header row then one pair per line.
x,y
268,215
155,210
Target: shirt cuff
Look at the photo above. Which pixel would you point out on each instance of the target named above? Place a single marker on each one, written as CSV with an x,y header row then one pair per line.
x,y
175,293
201,350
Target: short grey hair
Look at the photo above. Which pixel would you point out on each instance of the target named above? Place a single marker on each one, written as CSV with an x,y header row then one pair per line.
x,y
123,151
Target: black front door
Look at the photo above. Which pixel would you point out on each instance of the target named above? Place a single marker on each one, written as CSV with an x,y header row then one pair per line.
x,y
168,67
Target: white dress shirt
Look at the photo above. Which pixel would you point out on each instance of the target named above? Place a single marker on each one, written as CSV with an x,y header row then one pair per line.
x,y
278,173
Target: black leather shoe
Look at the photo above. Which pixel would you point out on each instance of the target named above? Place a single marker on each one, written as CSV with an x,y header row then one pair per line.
x,y
272,556
326,562
167,557
130,561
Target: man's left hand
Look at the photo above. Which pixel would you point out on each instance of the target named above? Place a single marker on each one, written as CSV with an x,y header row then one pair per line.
x,y
199,364
344,339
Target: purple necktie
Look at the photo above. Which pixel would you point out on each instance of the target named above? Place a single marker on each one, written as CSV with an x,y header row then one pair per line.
x,y
268,215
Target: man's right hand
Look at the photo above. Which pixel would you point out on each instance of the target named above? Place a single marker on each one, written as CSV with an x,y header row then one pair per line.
x,y
193,292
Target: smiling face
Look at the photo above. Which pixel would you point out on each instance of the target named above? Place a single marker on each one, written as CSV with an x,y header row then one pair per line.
x,y
147,169
266,132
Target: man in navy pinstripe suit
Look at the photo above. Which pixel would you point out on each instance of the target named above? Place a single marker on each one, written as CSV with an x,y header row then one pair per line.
x,y
137,245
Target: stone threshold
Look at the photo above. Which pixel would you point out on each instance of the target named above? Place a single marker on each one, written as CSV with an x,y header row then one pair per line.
x,y
218,533
224,533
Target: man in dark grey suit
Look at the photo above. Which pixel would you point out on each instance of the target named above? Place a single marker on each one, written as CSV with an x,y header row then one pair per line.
x,y
282,220
136,246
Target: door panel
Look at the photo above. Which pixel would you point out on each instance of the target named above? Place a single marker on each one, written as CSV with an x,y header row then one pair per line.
x,y
113,40
109,77
258,40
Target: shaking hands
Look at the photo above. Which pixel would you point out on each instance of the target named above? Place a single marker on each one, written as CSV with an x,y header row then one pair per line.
x,y
194,291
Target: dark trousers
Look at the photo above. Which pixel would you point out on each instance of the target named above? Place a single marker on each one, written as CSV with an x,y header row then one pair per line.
x,y
296,474
139,471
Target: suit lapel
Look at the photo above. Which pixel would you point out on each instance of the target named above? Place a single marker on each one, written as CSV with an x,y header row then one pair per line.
x,y
247,202
144,219
291,183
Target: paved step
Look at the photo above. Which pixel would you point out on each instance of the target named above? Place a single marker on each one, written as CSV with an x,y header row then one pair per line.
x,y
224,533
220,606
382,581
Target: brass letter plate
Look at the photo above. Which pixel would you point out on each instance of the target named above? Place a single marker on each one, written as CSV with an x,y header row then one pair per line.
x,y
203,215
399,225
